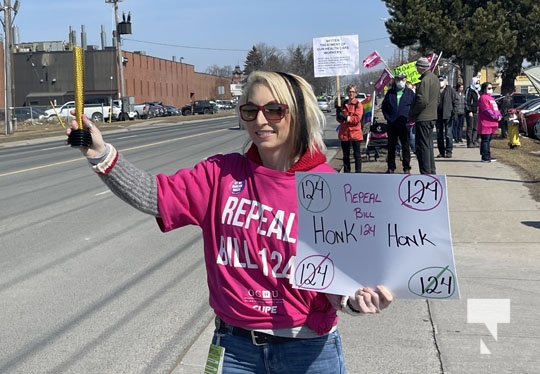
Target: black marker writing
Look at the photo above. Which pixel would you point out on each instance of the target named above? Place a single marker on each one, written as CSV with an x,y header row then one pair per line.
x,y
332,236
406,240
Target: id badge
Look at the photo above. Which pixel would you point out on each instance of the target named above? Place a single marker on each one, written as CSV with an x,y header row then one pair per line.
x,y
214,362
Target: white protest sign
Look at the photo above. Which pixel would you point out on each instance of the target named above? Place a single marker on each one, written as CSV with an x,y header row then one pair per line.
x,y
336,55
358,230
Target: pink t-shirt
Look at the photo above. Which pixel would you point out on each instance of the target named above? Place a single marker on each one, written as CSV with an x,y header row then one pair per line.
x,y
248,216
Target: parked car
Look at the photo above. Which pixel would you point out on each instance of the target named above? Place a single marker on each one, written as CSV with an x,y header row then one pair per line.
x,y
530,105
153,111
199,107
28,113
532,123
518,98
160,109
96,112
172,110
324,104
225,104
142,110
529,117
121,117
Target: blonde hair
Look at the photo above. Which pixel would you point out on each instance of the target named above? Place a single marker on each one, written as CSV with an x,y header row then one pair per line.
x,y
307,120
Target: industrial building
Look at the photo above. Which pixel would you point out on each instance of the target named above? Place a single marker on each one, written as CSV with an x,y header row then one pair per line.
x,y
43,72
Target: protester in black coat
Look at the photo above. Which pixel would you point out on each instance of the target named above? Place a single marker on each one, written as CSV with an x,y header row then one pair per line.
x,y
471,112
446,109
395,108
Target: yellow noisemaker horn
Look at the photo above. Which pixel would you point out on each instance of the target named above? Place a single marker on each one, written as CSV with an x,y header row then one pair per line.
x,y
80,137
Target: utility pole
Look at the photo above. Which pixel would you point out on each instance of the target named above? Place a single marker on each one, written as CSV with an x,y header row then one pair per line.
x,y
8,63
123,27
119,49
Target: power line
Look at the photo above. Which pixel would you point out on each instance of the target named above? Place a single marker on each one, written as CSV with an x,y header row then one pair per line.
x,y
219,49
186,46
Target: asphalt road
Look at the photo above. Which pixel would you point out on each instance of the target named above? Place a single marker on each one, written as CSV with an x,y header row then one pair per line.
x,y
90,285
87,283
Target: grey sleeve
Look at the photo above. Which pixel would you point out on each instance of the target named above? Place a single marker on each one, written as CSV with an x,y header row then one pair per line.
x,y
135,186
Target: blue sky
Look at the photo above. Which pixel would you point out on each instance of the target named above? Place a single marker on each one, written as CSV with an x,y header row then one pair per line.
x,y
211,32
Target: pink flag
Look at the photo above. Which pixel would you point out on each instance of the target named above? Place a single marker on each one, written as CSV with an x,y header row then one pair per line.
x,y
434,60
385,77
372,60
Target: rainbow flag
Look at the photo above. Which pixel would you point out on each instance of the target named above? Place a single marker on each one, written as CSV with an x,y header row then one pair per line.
x,y
367,104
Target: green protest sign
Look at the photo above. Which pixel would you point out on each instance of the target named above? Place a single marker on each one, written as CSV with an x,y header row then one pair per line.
x,y
410,70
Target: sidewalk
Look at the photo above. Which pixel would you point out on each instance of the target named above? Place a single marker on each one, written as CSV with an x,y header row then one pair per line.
x,y
495,227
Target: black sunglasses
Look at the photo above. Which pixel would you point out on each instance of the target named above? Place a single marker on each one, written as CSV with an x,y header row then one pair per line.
x,y
271,111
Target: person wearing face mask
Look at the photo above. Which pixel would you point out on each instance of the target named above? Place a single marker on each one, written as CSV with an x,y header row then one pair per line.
x,y
471,112
412,132
488,120
395,109
446,110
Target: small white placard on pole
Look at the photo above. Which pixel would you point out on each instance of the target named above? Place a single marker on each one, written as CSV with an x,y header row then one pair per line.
x,y
336,55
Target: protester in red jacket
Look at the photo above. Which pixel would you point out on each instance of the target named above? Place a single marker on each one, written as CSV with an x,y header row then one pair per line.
x,y
350,130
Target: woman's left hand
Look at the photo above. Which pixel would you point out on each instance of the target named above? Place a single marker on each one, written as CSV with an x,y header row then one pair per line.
x,y
369,301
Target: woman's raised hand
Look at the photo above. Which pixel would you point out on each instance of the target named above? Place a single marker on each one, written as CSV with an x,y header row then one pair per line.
x,y
98,145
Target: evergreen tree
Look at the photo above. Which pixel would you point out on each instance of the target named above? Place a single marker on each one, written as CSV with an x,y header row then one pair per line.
x,y
479,32
253,62
273,63
298,62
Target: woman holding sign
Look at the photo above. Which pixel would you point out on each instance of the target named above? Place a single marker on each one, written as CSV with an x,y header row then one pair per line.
x,y
350,130
248,201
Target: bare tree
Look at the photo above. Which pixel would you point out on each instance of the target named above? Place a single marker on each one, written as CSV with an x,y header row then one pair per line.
x,y
223,71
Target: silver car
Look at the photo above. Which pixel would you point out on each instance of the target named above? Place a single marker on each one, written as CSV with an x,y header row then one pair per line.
x,y
324,104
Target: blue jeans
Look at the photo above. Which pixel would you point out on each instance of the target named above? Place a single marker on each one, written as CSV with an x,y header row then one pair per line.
x,y
457,127
485,147
319,355
444,136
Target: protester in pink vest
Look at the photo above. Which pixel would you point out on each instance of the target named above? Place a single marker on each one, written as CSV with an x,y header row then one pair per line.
x,y
488,120
246,207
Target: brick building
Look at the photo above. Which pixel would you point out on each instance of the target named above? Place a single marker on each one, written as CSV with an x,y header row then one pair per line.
x,y
41,76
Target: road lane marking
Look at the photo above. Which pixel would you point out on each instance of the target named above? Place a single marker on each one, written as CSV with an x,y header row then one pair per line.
x,y
120,150
50,148
126,137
